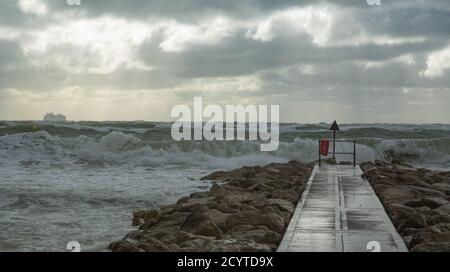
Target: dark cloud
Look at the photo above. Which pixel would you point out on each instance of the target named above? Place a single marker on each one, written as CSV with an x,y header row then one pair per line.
x,y
240,55
183,10
412,28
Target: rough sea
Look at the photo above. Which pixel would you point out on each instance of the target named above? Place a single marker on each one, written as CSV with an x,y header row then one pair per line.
x,y
81,181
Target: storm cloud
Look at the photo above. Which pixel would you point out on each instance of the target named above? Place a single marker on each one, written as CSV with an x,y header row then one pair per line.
x,y
319,60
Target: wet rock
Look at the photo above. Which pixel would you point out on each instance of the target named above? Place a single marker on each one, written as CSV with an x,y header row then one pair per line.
x,y
413,179
414,203
153,245
416,221
433,202
437,218
399,213
396,194
215,176
427,192
183,237
208,228
235,245
194,220
133,235
246,209
272,220
282,204
217,217
429,237
444,208
430,202
125,246
443,187
432,247
142,216
443,227
416,200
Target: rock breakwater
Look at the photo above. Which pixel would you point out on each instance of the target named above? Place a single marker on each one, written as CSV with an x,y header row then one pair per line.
x,y
416,200
247,209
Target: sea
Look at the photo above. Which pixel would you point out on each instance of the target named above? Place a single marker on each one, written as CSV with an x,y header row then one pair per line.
x,y
81,181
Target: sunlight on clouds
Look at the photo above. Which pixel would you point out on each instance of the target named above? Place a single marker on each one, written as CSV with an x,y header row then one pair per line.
x,y
407,59
178,37
92,45
316,21
437,62
308,70
327,26
37,7
223,85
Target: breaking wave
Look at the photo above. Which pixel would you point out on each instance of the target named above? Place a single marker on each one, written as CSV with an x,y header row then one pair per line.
x,y
120,148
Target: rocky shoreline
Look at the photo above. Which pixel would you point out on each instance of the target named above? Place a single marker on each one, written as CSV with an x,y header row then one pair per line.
x,y
416,200
247,209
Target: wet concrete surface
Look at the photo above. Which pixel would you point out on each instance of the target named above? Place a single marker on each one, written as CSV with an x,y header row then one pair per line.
x,y
340,212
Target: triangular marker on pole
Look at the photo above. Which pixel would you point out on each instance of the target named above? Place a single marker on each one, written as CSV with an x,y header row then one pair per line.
x,y
334,126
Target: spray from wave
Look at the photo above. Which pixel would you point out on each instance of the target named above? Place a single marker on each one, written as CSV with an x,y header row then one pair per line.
x,y
120,148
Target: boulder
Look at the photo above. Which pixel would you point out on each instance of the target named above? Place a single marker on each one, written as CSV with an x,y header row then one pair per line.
x,y
125,246
433,202
443,187
398,194
417,202
427,191
153,245
142,216
438,218
192,204
282,204
444,208
430,202
412,178
429,237
399,212
235,245
272,220
215,176
246,209
416,221
182,236
193,220
432,247
217,217
443,227
208,228
414,203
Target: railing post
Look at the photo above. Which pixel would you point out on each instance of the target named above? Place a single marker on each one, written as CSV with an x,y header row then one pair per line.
x,y
320,159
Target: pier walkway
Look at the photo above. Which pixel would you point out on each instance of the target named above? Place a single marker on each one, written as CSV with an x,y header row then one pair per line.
x,y
340,212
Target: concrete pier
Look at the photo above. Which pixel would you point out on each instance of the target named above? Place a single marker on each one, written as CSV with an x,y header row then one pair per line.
x,y
340,212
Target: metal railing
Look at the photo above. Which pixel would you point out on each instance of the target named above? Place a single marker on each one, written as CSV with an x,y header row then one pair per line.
x,y
340,153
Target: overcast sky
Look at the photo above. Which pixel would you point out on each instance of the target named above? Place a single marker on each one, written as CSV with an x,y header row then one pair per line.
x,y
136,59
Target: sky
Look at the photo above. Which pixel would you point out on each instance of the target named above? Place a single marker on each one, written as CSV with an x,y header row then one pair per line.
x,y
136,59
